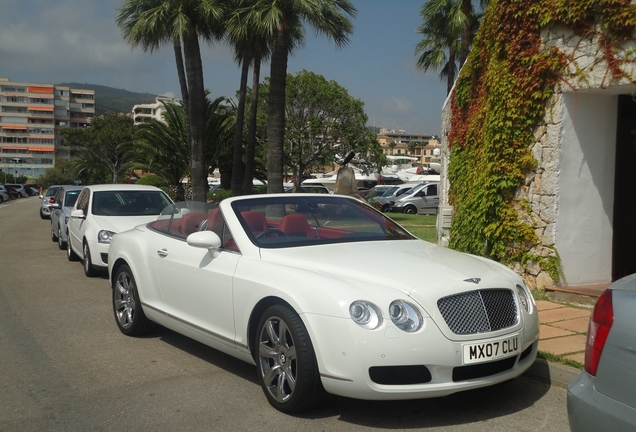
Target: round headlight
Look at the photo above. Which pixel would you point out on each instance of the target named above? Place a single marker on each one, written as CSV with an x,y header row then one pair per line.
x,y
105,236
524,298
405,316
365,314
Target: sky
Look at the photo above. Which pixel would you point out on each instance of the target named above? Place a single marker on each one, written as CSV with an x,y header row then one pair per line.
x,y
56,41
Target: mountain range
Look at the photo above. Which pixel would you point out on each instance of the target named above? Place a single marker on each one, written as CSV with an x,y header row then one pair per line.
x,y
112,100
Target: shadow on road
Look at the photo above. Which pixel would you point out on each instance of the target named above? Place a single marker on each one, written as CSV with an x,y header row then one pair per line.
x,y
460,408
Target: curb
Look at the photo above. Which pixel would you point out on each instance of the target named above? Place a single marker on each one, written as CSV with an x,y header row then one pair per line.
x,y
552,373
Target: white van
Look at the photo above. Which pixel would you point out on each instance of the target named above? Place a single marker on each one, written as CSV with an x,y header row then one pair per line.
x,y
386,200
424,200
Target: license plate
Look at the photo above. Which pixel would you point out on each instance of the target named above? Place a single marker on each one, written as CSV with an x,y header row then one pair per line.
x,y
492,350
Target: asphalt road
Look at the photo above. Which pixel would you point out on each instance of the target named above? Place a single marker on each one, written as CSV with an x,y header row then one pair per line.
x,y
64,366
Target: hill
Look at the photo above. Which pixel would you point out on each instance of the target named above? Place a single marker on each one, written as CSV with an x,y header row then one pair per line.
x,y
112,100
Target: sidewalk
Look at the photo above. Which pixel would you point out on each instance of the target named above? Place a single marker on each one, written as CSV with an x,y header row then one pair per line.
x,y
562,332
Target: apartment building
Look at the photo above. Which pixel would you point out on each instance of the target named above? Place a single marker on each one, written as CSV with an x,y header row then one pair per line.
x,y
144,112
400,143
31,115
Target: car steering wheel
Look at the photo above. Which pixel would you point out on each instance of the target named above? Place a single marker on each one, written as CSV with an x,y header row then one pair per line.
x,y
269,232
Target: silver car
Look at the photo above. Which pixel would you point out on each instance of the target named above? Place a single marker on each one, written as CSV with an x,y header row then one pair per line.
x,y
603,396
424,200
47,199
386,200
61,208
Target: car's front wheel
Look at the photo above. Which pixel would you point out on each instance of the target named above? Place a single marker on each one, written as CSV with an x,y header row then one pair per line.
x,y
410,210
129,314
286,362
53,234
72,256
89,270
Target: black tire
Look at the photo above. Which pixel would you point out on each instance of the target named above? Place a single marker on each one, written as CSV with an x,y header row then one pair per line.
x,y
284,354
410,210
72,256
42,215
385,208
53,234
129,314
89,270
60,243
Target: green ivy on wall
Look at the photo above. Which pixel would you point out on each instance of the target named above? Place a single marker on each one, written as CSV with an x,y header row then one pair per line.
x,y
500,99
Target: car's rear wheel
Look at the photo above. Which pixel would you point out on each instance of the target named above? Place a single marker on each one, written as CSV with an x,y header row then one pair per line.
x,y
60,243
89,270
286,362
410,210
72,256
129,314
385,208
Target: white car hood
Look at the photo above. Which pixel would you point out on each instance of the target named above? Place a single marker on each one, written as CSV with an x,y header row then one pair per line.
x,y
119,224
414,267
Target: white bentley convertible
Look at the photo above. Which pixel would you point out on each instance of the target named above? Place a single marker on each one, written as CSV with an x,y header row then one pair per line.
x,y
297,284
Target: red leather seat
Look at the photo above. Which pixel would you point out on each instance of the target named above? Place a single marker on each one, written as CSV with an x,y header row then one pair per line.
x,y
295,224
255,221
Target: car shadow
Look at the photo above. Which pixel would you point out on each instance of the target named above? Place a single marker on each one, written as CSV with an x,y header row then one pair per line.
x,y
460,408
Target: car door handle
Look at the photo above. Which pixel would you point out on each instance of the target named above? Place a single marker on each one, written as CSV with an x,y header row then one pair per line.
x,y
162,253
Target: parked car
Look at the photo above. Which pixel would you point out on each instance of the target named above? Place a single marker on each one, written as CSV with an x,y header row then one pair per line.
x,y
101,211
47,200
33,190
309,189
8,192
282,281
13,194
603,396
4,196
424,200
21,190
61,208
386,200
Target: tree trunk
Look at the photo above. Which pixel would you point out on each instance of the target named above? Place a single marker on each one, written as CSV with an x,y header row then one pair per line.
x,y
276,111
183,83
197,111
450,79
467,9
251,130
237,160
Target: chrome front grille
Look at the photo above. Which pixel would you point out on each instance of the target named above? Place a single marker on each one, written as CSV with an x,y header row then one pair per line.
x,y
479,311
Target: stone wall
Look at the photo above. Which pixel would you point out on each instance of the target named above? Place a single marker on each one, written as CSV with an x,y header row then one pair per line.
x,y
587,71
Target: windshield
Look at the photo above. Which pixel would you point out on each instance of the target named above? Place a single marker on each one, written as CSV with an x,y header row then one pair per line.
x,y
129,203
275,222
71,197
51,191
390,191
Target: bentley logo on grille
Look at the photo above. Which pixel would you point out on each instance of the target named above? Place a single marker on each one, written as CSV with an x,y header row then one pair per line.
x,y
473,280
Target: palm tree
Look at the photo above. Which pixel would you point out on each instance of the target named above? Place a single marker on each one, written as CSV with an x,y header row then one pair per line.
x,y
151,23
448,27
281,21
250,48
219,131
162,147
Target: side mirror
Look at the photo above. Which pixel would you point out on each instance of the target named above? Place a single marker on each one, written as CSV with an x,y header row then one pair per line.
x,y
204,239
78,214
54,206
